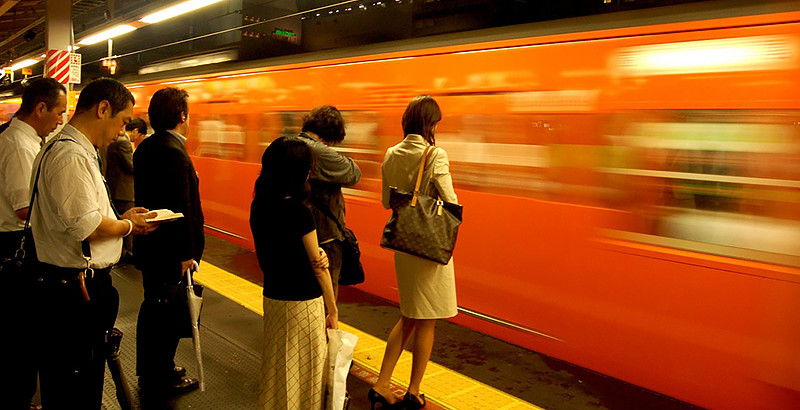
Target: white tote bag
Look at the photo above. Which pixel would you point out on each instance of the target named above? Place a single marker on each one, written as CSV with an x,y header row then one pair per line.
x,y
340,354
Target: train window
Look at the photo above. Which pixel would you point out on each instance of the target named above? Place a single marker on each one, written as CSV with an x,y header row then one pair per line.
x,y
725,179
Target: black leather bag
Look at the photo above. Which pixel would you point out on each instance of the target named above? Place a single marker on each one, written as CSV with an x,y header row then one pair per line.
x,y
421,225
24,259
352,273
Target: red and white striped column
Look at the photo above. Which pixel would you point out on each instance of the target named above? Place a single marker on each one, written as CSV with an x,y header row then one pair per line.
x,y
57,65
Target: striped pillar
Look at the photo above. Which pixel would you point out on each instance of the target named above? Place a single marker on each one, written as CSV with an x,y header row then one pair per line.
x,y
57,65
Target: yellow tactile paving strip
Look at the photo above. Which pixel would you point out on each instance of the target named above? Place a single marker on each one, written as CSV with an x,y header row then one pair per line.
x,y
445,387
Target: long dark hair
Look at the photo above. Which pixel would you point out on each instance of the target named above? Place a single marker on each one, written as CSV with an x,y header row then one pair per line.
x,y
421,116
284,170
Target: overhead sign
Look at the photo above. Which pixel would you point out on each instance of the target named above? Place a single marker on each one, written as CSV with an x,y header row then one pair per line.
x,y
63,66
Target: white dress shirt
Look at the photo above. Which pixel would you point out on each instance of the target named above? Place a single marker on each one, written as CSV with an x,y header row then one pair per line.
x,y
71,203
18,147
401,165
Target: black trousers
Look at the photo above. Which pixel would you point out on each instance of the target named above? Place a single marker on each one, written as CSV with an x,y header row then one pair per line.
x,y
17,312
74,353
163,321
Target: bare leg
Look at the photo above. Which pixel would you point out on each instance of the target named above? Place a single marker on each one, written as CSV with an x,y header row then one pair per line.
x,y
423,345
398,338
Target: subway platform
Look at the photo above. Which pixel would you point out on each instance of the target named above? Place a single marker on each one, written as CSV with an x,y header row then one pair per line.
x,y
468,370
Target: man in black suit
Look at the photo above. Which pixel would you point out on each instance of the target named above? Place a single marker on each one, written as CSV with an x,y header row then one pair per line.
x,y
164,177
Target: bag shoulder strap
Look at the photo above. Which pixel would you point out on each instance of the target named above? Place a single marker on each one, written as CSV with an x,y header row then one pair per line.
x,y
34,191
425,155
328,213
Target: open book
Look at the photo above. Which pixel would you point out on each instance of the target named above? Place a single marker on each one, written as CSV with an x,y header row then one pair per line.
x,y
164,215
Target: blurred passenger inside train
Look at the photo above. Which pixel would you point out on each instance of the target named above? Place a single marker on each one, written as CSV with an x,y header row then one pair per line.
x,y
43,106
297,284
119,177
322,128
136,131
78,239
165,178
427,289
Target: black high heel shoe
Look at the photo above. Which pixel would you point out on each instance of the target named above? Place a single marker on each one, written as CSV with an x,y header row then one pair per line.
x,y
412,402
375,397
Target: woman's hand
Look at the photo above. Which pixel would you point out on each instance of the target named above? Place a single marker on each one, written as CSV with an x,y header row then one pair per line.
x,y
332,320
321,262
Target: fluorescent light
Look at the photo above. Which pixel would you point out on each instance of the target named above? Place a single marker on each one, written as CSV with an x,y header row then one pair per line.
x,y
105,35
176,10
23,64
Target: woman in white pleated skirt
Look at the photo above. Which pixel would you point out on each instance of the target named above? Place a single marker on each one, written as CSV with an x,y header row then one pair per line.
x,y
297,285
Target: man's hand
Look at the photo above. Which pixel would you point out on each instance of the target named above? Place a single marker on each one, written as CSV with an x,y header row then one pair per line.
x,y
186,265
137,215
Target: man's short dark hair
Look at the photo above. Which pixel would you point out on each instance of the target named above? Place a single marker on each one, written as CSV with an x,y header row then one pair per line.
x,y
167,108
137,124
105,89
325,121
45,90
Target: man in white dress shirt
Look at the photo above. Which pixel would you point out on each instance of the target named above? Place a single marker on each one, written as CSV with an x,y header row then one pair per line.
x,y
44,103
75,228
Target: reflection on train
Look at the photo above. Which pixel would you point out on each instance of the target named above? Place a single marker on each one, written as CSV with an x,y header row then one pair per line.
x,y
631,193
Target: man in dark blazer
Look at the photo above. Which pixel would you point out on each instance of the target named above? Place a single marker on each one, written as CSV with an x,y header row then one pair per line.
x,y
164,177
119,176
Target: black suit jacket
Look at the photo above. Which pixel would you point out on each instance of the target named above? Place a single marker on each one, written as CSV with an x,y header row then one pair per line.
x,y
164,177
119,169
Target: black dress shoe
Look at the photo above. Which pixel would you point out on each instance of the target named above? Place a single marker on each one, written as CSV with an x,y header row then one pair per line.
x,y
184,385
180,386
179,372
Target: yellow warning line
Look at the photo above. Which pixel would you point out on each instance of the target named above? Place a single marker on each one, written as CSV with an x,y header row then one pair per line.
x,y
443,386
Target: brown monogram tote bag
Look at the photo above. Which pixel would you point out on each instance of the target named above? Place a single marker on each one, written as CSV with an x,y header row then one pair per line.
x,y
421,225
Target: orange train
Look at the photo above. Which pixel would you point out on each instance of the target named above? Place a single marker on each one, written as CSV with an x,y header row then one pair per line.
x,y
631,185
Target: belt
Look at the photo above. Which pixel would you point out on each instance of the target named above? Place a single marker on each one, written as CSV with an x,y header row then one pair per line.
x,y
48,272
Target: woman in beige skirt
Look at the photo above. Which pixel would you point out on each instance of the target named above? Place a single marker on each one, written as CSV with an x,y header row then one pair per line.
x,y
427,289
296,281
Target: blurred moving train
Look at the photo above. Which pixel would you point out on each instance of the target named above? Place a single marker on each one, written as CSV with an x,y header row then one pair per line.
x,y
631,183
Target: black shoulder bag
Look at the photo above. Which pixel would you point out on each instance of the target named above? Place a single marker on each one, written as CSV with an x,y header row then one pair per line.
x,y
25,258
352,272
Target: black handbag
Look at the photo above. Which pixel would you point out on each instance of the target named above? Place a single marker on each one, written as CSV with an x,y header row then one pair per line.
x,y
24,258
422,225
352,273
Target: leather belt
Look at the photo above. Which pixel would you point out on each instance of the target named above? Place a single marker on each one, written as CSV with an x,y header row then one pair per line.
x,y
50,273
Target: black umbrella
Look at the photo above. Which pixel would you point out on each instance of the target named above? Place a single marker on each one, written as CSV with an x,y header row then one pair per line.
x,y
113,340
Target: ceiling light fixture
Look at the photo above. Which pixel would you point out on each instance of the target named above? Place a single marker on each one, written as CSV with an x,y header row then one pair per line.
x,y
176,10
105,35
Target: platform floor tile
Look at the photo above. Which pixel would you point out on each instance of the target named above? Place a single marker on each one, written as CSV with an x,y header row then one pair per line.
x,y
442,386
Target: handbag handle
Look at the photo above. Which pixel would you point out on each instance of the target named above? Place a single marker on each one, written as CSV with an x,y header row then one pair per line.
x,y
428,150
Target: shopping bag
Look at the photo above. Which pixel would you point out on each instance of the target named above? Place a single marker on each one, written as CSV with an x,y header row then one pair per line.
x,y
340,354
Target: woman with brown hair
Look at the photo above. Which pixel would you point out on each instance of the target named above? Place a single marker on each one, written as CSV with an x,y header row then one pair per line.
x,y
427,289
